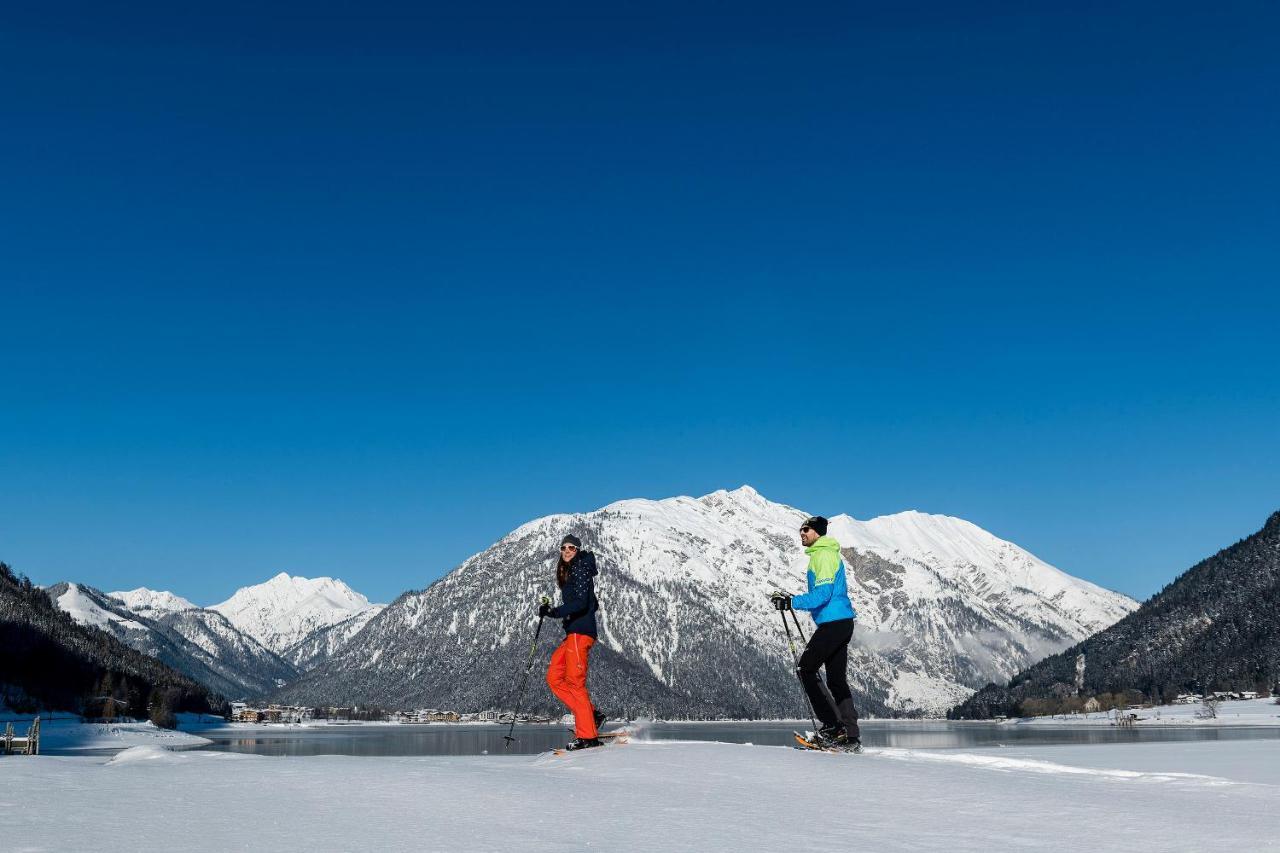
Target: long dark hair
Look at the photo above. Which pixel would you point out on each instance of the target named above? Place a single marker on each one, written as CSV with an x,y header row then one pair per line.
x,y
562,570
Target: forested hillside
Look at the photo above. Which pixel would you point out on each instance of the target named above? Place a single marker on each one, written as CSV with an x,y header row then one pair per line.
x,y
1216,627
47,661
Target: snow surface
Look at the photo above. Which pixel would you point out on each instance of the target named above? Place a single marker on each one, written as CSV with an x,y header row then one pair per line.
x,y
654,796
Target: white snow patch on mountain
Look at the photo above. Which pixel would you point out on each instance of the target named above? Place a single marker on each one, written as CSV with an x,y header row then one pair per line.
x,y
86,611
143,599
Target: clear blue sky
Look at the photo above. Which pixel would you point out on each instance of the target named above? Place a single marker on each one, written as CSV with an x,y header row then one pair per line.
x,y
356,289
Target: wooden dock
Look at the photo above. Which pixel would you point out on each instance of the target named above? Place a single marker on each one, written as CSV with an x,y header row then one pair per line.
x,y
29,745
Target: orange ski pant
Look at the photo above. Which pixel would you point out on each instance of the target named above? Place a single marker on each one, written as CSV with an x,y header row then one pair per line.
x,y
567,678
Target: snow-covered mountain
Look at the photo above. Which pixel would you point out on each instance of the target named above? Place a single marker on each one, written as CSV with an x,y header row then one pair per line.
x,y
199,643
49,662
1215,627
282,612
686,629
321,644
143,600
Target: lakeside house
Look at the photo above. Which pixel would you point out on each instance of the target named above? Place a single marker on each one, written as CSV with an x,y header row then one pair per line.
x,y
242,712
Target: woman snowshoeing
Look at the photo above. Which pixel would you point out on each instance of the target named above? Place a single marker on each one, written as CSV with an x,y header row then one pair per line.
x,y
567,672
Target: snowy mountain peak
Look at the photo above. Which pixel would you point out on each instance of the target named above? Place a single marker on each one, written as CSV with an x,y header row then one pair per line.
x,y
286,608
143,599
743,500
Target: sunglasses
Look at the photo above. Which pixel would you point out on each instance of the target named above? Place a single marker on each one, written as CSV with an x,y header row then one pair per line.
x,y
568,547
805,529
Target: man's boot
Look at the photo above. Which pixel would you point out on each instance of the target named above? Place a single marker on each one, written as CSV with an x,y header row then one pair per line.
x,y
849,722
849,718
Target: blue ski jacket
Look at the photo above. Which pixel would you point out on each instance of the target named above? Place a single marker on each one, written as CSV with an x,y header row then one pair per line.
x,y
828,597
578,611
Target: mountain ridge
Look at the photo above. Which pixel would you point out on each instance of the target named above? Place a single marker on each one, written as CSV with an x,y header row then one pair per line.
x,y
684,586
199,643
1215,626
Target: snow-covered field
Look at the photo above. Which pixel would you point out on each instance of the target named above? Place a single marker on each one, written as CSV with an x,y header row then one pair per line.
x,y
654,796
1249,712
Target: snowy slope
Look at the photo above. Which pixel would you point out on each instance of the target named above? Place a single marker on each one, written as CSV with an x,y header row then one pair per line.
x,y
686,629
199,643
660,796
940,596
143,600
965,554
283,611
88,609
322,643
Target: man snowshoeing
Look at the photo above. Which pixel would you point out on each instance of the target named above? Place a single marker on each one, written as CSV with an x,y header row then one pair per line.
x,y
827,601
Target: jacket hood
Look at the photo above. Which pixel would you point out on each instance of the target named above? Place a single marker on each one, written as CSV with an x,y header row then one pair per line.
x,y
585,560
824,543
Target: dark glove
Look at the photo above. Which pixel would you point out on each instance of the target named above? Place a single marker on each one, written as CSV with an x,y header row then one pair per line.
x,y
544,607
781,601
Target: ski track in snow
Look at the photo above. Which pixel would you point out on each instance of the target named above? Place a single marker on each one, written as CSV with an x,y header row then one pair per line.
x,y
1026,765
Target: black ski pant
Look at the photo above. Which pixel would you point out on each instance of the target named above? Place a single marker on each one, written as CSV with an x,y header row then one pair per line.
x,y
829,647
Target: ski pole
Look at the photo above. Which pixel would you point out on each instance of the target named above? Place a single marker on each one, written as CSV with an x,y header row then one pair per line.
x,y
795,658
799,630
524,680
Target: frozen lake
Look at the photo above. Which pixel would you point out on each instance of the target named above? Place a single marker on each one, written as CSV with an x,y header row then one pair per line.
x,y
462,740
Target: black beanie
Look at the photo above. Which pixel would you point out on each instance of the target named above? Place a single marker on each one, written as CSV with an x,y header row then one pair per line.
x,y
818,523
572,540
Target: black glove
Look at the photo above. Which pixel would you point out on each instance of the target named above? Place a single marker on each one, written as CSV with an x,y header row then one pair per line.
x,y
781,601
544,607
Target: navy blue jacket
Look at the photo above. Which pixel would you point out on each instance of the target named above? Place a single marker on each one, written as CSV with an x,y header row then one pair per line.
x,y
578,612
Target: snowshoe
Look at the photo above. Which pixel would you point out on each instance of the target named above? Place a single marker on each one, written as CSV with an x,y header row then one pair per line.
x,y
820,744
583,743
